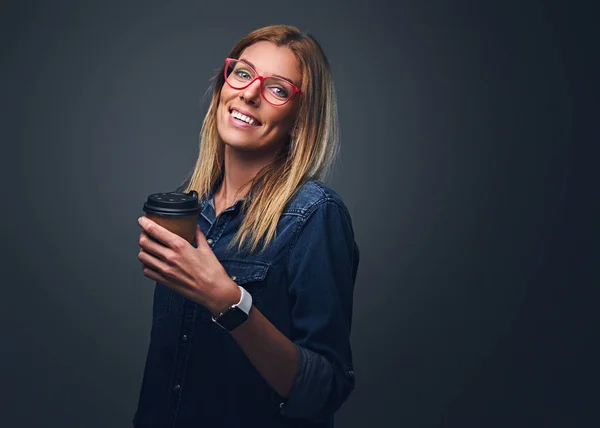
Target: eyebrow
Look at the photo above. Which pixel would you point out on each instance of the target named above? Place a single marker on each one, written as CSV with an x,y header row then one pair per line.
x,y
276,75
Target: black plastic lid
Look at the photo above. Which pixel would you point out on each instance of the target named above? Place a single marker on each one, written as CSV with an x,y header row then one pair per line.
x,y
173,204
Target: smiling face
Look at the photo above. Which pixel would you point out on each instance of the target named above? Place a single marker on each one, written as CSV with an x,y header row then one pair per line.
x,y
245,120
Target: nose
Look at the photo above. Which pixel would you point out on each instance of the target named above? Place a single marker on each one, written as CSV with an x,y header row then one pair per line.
x,y
252,93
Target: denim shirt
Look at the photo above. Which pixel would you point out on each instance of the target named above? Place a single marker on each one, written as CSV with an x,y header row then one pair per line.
x,y
196,375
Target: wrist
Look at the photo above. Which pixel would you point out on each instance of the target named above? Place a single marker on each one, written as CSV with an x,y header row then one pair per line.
x,y
225,298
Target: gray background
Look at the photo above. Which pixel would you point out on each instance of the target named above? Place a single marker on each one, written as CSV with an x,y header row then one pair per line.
x,y
464,166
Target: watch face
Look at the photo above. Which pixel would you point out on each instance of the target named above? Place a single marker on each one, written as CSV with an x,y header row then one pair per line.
x,y
232,318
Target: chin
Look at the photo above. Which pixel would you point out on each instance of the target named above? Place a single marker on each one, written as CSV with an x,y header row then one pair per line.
x,y
237,142
241,146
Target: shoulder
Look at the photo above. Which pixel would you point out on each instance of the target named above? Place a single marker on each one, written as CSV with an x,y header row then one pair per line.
x,y
323,222
311,196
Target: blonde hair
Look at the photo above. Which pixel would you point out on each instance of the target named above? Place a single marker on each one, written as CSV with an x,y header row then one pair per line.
x,y
311,151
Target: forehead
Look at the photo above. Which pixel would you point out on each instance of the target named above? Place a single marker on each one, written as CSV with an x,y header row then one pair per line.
x,y
269,59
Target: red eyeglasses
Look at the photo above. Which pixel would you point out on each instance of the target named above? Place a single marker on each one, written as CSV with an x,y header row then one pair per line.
x,y
275,90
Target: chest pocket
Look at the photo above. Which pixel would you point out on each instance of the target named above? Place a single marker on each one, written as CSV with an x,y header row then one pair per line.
x,y
250,274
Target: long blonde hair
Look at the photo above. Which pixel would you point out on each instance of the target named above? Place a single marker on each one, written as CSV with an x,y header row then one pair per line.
x,y
311,151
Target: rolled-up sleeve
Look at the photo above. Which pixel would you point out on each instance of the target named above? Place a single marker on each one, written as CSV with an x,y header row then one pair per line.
x,y
322,271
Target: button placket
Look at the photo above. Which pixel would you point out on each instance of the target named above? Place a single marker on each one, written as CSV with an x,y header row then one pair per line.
x,y
216,229
189,315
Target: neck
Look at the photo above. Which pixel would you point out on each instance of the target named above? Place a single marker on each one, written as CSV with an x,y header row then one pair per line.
x,y
240,168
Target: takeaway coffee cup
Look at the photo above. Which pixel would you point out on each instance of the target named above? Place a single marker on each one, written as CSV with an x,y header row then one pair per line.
x,y
175,211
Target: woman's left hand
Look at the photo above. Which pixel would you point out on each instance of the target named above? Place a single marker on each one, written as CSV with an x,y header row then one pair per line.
x,y
195,273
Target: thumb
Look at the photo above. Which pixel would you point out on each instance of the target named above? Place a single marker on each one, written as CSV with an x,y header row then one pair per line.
x,y
200,238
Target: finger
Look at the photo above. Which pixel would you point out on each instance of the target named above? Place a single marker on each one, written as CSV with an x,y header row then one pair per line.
x,y
159,233
158,277
152,246
153,262
200,238
154,275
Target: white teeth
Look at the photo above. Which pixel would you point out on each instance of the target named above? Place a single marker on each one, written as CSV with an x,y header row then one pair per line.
x,y
240,116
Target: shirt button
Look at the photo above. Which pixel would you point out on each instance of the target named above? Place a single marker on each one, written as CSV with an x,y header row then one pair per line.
x,y
177,387
209,241
281,405
184,338
234,277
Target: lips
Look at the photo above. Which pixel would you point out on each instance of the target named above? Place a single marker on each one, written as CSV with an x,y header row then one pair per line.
x,y
244,117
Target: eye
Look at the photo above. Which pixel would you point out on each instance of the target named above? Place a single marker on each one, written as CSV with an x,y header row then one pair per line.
x,y
279,92
243,74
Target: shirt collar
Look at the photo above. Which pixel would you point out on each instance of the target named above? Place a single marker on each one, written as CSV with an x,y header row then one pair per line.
x,y
208,209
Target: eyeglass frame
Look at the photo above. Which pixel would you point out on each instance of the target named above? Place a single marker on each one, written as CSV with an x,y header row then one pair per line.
x,y
262,80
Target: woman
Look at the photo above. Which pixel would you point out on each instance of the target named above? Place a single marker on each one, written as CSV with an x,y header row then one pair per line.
x,y
251,324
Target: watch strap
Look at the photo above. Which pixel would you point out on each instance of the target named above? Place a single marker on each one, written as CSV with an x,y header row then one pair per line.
x,y
236,314
245,303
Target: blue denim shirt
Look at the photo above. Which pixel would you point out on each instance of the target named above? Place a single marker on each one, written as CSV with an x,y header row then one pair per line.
x,y
196,375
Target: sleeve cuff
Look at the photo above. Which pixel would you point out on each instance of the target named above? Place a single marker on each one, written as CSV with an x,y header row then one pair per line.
x,y
311,387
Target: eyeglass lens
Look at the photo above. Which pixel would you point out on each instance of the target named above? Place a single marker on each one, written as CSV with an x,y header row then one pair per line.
x,y
275,90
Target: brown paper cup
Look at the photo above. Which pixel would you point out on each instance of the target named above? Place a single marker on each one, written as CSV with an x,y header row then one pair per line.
x,y
184,226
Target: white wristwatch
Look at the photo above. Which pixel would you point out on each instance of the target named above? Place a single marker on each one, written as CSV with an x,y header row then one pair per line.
x,y
237,314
